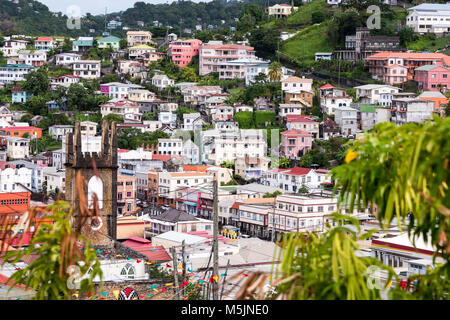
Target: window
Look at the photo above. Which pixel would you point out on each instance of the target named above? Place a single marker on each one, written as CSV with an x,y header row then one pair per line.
x,y
310,209
128,271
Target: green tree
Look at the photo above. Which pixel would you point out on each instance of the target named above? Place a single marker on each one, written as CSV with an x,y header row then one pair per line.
x,y
275,72
187,74
113,117
406,35
67,45
123,43
55,245
404,171
37,82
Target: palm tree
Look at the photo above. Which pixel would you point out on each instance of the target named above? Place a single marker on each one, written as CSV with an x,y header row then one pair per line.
x,y
275,72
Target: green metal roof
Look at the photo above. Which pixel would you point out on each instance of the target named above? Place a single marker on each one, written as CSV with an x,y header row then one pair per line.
x,y
428,67
368,108
109,39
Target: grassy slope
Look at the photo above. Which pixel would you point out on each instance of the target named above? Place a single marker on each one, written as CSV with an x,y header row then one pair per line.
x,y
304,13
424,44
306,43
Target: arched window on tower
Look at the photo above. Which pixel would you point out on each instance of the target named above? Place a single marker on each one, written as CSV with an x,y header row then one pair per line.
x,y
95,185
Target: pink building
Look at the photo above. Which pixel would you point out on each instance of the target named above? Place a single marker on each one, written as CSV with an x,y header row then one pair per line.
x,y
126,192
182,51
215,53
295,143
432,78
394,74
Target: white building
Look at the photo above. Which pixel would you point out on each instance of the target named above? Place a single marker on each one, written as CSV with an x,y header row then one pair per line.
x,y
18,148
88,128
371,93
161,81
12,47
11,179
37,176
406,110
330,104
242,143
252,70
87,69
192,121
59,131
118,90
55,179
168,118
127,109
171,182
11,73
280,10
35,58
290,109
347,119
170,146
191,152
429,18
67,58
291,180
64,81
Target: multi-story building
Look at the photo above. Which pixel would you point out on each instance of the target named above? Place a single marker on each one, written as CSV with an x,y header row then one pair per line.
x,y
301,213
214,53
406,110
362,44
127,109
291,180
141,95
87,69
328,129
14,202
182,51
170,146
299,122
432,78
83,44
14,179
135,38
237,69
88,128
118,90
54,180
332,98
44,43
296,84
35,58
440,101
67,58
251,167
12,47
253,70
240,144
161,81
168,118
37,176
19,95
290,109
380,63
126,192
32,132
196,95
138,52
295,143
12,73
171,183
253,217
347,119
191,152
192,121
64,81
371,93
279,11
59,131
429,18
222,113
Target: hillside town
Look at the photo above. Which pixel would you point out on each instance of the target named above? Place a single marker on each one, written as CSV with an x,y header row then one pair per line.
x,y
190,143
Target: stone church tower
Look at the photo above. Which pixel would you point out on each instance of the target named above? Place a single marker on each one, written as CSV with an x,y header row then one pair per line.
x,y
105,185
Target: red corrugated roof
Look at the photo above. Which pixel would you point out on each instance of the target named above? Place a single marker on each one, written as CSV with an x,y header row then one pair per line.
x,y
296,132
21,128
298,171
327,86
298,118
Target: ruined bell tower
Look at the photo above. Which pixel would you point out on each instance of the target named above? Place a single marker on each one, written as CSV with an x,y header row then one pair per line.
x,y
105,184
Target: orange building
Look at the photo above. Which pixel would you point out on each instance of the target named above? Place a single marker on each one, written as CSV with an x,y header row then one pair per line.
x,y
18,132
152,186
14,202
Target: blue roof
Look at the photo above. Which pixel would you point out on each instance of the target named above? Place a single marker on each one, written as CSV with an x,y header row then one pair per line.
x,y
432,7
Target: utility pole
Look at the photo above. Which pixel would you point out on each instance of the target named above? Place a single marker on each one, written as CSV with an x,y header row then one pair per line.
x,y
175,272
216,238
